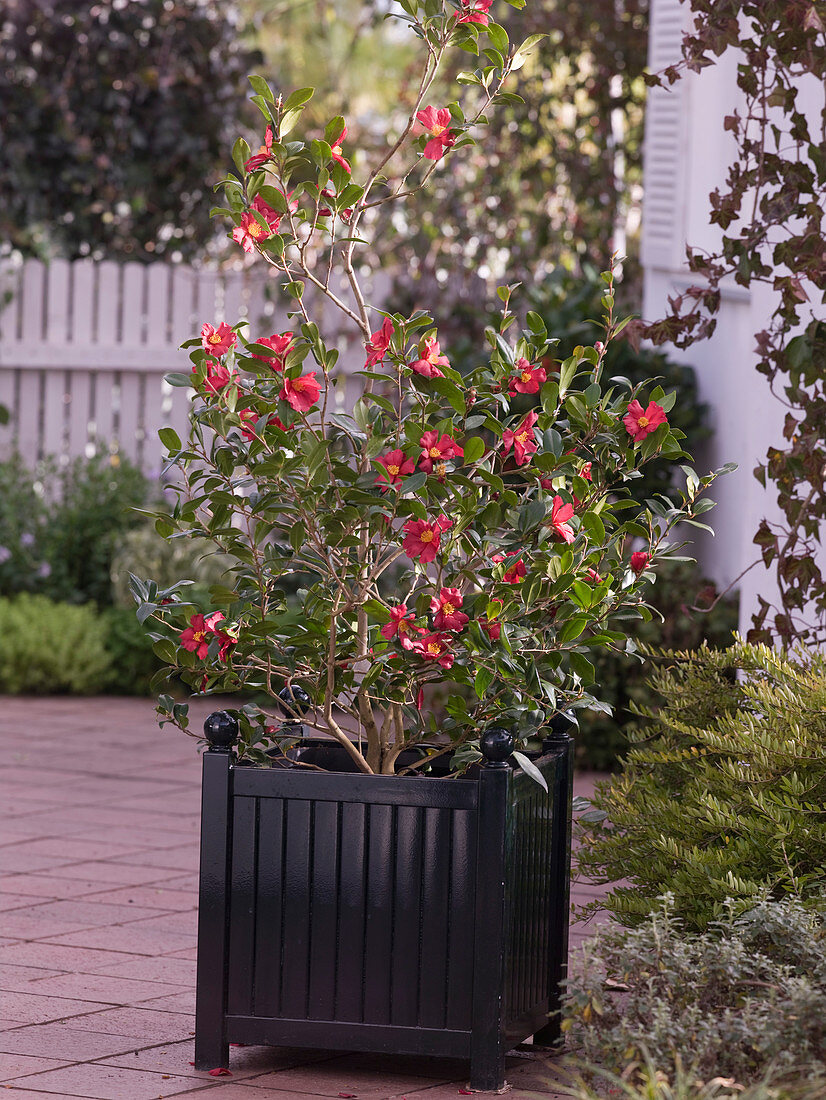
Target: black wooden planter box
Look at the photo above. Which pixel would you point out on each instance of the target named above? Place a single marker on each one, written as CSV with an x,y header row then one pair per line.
x,y
381,913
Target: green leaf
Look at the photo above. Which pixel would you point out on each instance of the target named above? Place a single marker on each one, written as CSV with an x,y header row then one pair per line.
x,y
170,439
572,628
498,37
484,678
451,391
260,86
178,379
295,99
530,769
413,483
297,536
474,449
377,610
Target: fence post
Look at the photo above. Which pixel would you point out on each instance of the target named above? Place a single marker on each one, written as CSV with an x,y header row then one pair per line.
x,y
487,1051
211,1043
561,743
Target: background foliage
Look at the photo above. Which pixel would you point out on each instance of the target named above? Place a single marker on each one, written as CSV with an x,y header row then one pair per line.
x,y
722,795
116,119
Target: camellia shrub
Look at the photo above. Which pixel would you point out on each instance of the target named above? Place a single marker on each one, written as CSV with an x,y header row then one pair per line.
x,y
433,532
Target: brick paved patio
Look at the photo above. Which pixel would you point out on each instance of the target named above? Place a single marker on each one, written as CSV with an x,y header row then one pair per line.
x,y
99,856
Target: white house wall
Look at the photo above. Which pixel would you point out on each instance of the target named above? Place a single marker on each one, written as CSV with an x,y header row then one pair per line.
x,y
684,164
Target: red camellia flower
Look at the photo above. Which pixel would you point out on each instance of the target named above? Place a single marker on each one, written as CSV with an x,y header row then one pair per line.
x,y
528,379
218,376
195,637
474,11
263,155
593,576
560,512
378,343
521,440
250,416
270,216
217,341
430,361
337,154
281,343
437,123
437,449
446,605
250,232
641,422
302,393
396,466
423,537
493,630
586,472
514,573
400,625
226,640
434,647
639,561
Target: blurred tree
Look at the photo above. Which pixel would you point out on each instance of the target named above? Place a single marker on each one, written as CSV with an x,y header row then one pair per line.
x,y
117,118
558,179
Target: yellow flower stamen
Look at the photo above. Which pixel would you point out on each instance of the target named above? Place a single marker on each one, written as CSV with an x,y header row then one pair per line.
x,y
426,536
393,470
448,608
434,452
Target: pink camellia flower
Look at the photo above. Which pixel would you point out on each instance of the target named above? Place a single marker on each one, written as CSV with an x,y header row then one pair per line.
x,y
378,343
430,360
337,154
639,560
250,232
446,610
281,343
218,376
437,449
474,11
250,416
301,393
217,341
560,512
528,379
270,216
437,123
257,160
434,647
514,573
226,640
593,576
195,637
396,466
640,422
422,537
521,440
400,626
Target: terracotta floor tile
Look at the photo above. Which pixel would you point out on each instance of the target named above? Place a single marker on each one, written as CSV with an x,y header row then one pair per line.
x,y
329,1078
13,859
106,989
158,969
175,1058
50,887
125,937
9,901
76,850
16,1092
32,1008
19,1065
57,957
107,1083
183,857
155,895
28,924
182,1001
18,978
125,874
92,913
66,1042
153,1027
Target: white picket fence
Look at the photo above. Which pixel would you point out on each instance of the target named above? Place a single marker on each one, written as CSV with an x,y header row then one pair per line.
x,y
84,347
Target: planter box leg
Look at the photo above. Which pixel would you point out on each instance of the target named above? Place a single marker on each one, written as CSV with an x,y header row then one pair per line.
x,y
211,1045
487,1068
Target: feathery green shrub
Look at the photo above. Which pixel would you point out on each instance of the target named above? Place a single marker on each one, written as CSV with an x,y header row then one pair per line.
x,y
48,647
723,794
